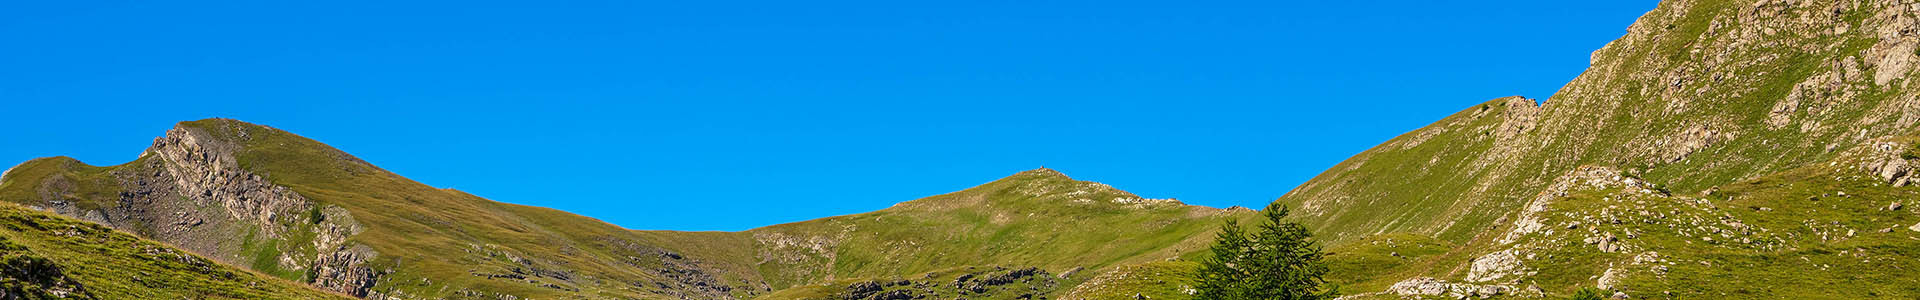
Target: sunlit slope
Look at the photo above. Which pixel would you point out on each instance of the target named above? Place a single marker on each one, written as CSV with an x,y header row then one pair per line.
x,y
1699,98
1037,218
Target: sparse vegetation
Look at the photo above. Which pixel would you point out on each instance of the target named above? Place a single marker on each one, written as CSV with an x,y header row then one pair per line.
x,y
1586,293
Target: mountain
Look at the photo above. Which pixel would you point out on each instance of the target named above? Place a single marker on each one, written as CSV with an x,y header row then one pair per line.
x,y
1720,149
288,206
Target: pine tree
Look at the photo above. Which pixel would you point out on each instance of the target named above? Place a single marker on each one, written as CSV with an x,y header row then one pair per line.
x,y
1279,262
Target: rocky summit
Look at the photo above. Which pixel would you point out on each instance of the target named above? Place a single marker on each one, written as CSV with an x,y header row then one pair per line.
x,y
1721,149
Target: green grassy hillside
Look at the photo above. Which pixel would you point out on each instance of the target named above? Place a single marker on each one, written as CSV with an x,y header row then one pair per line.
x,y
1037,218
1699,98
45,256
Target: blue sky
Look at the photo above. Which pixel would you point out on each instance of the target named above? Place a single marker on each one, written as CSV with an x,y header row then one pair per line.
x,y
728,115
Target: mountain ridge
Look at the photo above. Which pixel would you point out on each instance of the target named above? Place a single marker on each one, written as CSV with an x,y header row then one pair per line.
x,y
309,212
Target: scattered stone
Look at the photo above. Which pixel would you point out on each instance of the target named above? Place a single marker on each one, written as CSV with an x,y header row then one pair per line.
x,y
1427,286
1494,266
1607,244
1611,279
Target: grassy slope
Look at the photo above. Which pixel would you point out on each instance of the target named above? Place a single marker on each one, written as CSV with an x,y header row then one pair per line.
x,y
114,265
86,186
1676,70
1817,231
1407,183
447,235
1430,181
1031,219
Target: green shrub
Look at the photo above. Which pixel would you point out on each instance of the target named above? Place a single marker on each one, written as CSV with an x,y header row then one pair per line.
x,y
1586,293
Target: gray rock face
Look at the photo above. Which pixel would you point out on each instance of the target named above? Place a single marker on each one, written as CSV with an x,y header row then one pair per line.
x,y
1894,56
344,271
205,172
1521,114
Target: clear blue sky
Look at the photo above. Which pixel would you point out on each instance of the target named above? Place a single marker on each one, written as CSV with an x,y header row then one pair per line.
x,y
728,115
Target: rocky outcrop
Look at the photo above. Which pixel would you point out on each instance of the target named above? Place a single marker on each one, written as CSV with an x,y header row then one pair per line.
x,y
1428,286
1522,114
1588,177
189,189
1893,57
1892,162
1610,279
205,172
345,270
340,265
1495,266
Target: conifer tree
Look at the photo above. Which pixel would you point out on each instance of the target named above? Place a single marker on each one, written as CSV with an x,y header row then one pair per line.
x,y
1280,261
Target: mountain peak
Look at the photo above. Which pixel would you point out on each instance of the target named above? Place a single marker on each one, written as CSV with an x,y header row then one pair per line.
x,y
1042,171
228,130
